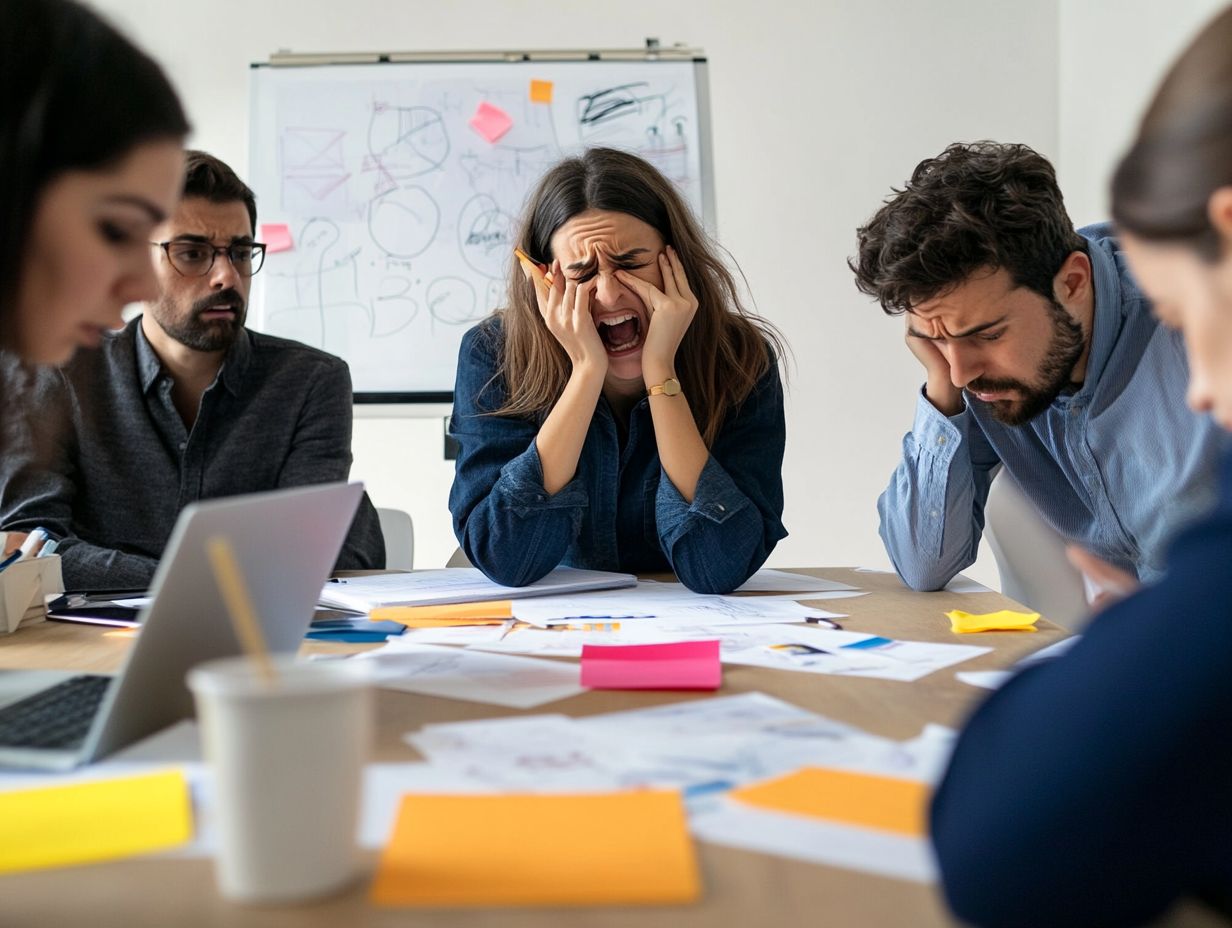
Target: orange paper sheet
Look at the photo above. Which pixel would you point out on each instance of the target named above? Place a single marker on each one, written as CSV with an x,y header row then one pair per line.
x,y
535,849
492,612
841,796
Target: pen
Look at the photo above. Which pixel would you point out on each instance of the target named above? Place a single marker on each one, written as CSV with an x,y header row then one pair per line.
x,y
526,259
828,623
49,549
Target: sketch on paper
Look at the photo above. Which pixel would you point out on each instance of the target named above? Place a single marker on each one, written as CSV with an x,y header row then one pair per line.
x,y
405,217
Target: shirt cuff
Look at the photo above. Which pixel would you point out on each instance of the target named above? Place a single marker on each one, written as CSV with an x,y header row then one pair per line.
x,y
520,488
716,499
937,434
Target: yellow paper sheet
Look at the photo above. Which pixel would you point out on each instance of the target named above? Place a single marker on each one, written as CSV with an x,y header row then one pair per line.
x,y
81,823
964,623
841,796
493,612
535,849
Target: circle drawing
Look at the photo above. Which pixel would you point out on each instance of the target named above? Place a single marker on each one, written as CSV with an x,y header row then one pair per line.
x,y
403,222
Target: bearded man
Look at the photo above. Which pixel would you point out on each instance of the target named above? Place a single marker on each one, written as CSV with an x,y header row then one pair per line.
x,y
182,404
1042,357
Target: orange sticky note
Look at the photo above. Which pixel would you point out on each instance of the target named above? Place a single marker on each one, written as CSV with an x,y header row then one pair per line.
x,y
492,612
842,796
536,849
541,91
277,237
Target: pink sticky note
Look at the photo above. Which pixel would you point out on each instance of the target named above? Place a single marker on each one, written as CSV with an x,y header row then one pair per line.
x,y
491,121
277,237
684,665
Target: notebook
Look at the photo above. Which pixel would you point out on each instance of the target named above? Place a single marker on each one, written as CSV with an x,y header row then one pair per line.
x,y
458,585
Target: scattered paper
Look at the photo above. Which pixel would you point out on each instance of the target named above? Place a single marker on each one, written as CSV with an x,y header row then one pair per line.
x,y
870,801
491,122
817,650
734,824
663,601
985,679
961,584
475,676
782,581
277,237
685,665
80,823
541,91
964,623
598,849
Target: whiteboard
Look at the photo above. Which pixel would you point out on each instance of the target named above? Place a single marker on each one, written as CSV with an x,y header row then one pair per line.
x,y
401,214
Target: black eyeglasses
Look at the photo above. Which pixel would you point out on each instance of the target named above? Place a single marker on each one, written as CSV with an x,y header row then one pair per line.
x,y
194,259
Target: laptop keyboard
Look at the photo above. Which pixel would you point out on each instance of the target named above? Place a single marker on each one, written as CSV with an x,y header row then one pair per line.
x,y
57,717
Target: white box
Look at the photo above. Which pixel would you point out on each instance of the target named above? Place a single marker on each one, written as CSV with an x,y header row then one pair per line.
x,y
24,588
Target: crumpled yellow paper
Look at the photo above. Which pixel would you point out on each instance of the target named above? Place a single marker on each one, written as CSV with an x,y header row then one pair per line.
x,y
964,623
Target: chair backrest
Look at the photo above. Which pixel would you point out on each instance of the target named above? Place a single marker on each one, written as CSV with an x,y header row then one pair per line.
x,y
1030,556
399,533
458,559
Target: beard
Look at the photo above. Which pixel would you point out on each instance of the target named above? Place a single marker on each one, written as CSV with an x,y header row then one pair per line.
x,y
1054,375
204,334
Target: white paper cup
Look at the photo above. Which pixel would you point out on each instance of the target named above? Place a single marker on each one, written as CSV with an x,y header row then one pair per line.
x,y
287,762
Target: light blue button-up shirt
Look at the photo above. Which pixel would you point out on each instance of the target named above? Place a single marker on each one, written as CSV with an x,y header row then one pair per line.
x,y
1117,466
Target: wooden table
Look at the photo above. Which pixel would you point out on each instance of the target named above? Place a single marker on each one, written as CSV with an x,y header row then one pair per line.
x,y
740,888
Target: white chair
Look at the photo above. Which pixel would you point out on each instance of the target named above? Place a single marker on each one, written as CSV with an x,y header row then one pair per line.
x,y
1030,556
399,533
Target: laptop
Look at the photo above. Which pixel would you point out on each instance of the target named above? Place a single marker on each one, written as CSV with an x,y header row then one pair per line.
x,y
286,543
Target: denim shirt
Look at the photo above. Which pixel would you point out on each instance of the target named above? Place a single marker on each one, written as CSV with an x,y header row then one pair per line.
x,y
1118,465
620,511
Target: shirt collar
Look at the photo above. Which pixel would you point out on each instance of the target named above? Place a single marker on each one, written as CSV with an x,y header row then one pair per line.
x,y
234,364
1109,316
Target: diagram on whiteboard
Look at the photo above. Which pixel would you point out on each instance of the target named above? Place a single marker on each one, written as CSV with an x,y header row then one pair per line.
x,y
398,189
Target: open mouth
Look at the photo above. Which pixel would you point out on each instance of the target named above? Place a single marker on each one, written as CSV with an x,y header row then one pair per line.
x,y
621,334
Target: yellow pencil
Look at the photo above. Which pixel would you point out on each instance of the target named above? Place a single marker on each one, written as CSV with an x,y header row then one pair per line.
x,y
526,259
239,605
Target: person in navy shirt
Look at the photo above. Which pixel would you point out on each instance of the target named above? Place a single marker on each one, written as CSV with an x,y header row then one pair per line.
x,y
1096,789
624,412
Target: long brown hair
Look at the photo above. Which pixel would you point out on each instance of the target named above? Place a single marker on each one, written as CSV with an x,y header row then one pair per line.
x,y
726,348
1183,150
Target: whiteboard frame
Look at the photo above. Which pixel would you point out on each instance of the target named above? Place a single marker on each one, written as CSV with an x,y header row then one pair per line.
x,y
430,402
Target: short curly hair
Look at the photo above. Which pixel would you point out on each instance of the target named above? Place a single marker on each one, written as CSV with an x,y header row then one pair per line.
x,y
976,205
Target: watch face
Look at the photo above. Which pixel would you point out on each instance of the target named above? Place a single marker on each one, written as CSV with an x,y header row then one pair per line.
x,y
671,386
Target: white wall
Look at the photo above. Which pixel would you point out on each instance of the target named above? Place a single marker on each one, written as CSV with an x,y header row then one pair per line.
x,y
818,108
1113,54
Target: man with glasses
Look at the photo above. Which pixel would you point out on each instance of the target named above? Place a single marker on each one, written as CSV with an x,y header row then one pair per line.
x,y
182,404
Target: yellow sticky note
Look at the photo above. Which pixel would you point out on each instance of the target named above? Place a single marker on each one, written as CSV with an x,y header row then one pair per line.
x,y
83,823
535,849
964,623
841,796
492,612
541,91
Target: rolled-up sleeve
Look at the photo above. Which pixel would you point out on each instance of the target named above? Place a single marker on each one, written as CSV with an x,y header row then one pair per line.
x,y
932,513
720,539
506,522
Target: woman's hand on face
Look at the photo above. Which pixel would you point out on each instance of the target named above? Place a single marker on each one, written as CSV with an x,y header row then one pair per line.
x,y
565,307
671,312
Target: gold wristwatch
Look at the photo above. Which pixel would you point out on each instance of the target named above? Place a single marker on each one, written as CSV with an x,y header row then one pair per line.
x,y
669,387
